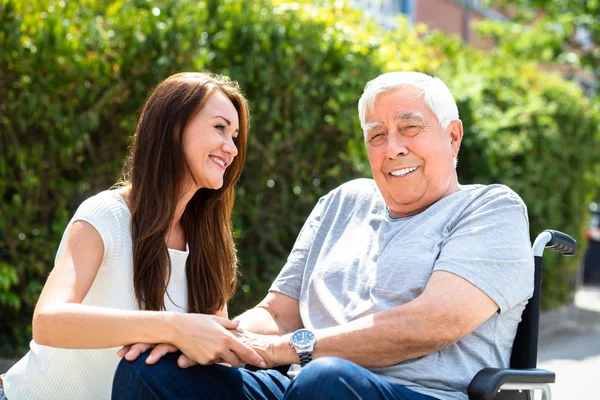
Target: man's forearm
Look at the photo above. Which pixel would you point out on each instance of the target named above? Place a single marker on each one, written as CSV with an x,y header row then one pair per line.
x,y
449,308
378,340
277,314
259,320
383,339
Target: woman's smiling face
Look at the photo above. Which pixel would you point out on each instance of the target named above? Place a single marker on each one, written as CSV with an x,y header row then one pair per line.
x,y
209,142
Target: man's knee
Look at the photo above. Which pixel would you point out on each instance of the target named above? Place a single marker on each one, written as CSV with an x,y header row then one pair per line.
x,y
325,375
327,367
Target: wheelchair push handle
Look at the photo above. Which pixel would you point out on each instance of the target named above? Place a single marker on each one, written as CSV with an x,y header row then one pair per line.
x,y
556,240
563,243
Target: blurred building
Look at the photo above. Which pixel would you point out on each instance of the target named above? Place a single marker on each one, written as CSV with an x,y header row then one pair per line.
x,y
456,17
451,16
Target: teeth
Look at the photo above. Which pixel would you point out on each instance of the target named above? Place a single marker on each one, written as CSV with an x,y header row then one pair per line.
x,y
403,171
218,161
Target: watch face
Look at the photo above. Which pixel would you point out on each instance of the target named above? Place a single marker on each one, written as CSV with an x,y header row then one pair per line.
x,y
303,337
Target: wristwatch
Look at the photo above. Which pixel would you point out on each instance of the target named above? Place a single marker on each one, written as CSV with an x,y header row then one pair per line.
x,y
303,341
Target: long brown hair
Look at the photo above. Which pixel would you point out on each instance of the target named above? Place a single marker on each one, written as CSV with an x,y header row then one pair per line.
x,y
156,170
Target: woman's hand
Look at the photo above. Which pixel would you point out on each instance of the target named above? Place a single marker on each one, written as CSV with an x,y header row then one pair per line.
x,y
206,339
133,351
211,343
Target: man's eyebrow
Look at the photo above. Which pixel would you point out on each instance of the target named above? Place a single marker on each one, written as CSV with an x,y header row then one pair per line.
x,y
372,125
398,117
409,115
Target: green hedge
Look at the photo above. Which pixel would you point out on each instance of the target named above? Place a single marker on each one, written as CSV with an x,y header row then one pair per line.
x,y
536,133
74,74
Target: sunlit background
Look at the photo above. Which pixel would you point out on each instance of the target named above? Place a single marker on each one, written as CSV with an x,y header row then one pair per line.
x,y
524,73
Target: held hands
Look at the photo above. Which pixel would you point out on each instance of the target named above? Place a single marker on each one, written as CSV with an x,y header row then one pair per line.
x,y
264,345
275,350
203,339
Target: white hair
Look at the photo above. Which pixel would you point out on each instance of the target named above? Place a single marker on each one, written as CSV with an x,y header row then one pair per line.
x,y
434,91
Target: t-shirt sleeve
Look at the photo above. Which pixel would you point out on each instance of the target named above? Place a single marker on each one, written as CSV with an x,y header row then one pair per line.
x,y
101,213
289,280
490,247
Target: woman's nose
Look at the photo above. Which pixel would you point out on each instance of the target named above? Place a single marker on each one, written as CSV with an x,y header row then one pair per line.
x,y
230,147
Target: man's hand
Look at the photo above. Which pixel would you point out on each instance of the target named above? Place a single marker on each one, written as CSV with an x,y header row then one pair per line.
x,y
275,350
262,344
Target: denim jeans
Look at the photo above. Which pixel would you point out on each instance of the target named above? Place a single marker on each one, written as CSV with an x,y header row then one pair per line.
x,y
324,378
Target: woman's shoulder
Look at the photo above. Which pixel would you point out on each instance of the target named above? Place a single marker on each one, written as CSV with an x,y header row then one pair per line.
x,y
105,205
108,214
108,198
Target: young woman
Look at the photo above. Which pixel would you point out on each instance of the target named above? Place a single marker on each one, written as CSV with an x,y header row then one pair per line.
x,y
152,261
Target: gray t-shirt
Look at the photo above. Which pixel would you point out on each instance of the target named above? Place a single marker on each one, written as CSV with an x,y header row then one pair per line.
x,y
351,259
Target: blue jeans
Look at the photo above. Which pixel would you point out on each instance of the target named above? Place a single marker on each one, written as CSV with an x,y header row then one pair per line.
x,y
324,378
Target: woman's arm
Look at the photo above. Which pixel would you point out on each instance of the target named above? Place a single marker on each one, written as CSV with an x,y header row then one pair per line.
x,y
60,320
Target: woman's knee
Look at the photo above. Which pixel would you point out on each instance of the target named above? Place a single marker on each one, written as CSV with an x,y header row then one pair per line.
x,y
127,371
164,379
128,382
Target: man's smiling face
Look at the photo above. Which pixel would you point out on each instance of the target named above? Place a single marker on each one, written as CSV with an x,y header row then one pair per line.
x,y
411,155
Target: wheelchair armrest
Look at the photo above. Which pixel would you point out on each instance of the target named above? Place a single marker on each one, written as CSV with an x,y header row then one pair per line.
x,y
488,381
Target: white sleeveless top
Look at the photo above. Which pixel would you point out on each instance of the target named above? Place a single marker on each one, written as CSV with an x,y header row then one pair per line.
x,y
48,373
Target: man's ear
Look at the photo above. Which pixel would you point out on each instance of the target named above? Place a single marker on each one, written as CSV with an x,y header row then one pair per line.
x,y
455,131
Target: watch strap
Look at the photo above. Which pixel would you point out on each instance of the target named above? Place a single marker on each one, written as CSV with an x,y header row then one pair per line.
x,y
305,357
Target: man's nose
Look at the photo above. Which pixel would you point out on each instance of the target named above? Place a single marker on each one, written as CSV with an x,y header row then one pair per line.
x,y
396,147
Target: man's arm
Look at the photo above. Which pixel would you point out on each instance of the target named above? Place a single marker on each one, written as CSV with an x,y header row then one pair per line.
x,y
449,308
277,314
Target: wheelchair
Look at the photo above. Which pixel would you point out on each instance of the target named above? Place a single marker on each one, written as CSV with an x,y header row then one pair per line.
x,y
520,380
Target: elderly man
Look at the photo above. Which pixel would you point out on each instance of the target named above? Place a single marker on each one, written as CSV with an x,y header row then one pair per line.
x,y
399,287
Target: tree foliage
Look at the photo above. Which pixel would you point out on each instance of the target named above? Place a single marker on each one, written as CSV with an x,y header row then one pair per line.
x,y
536,133
562,31
73,76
